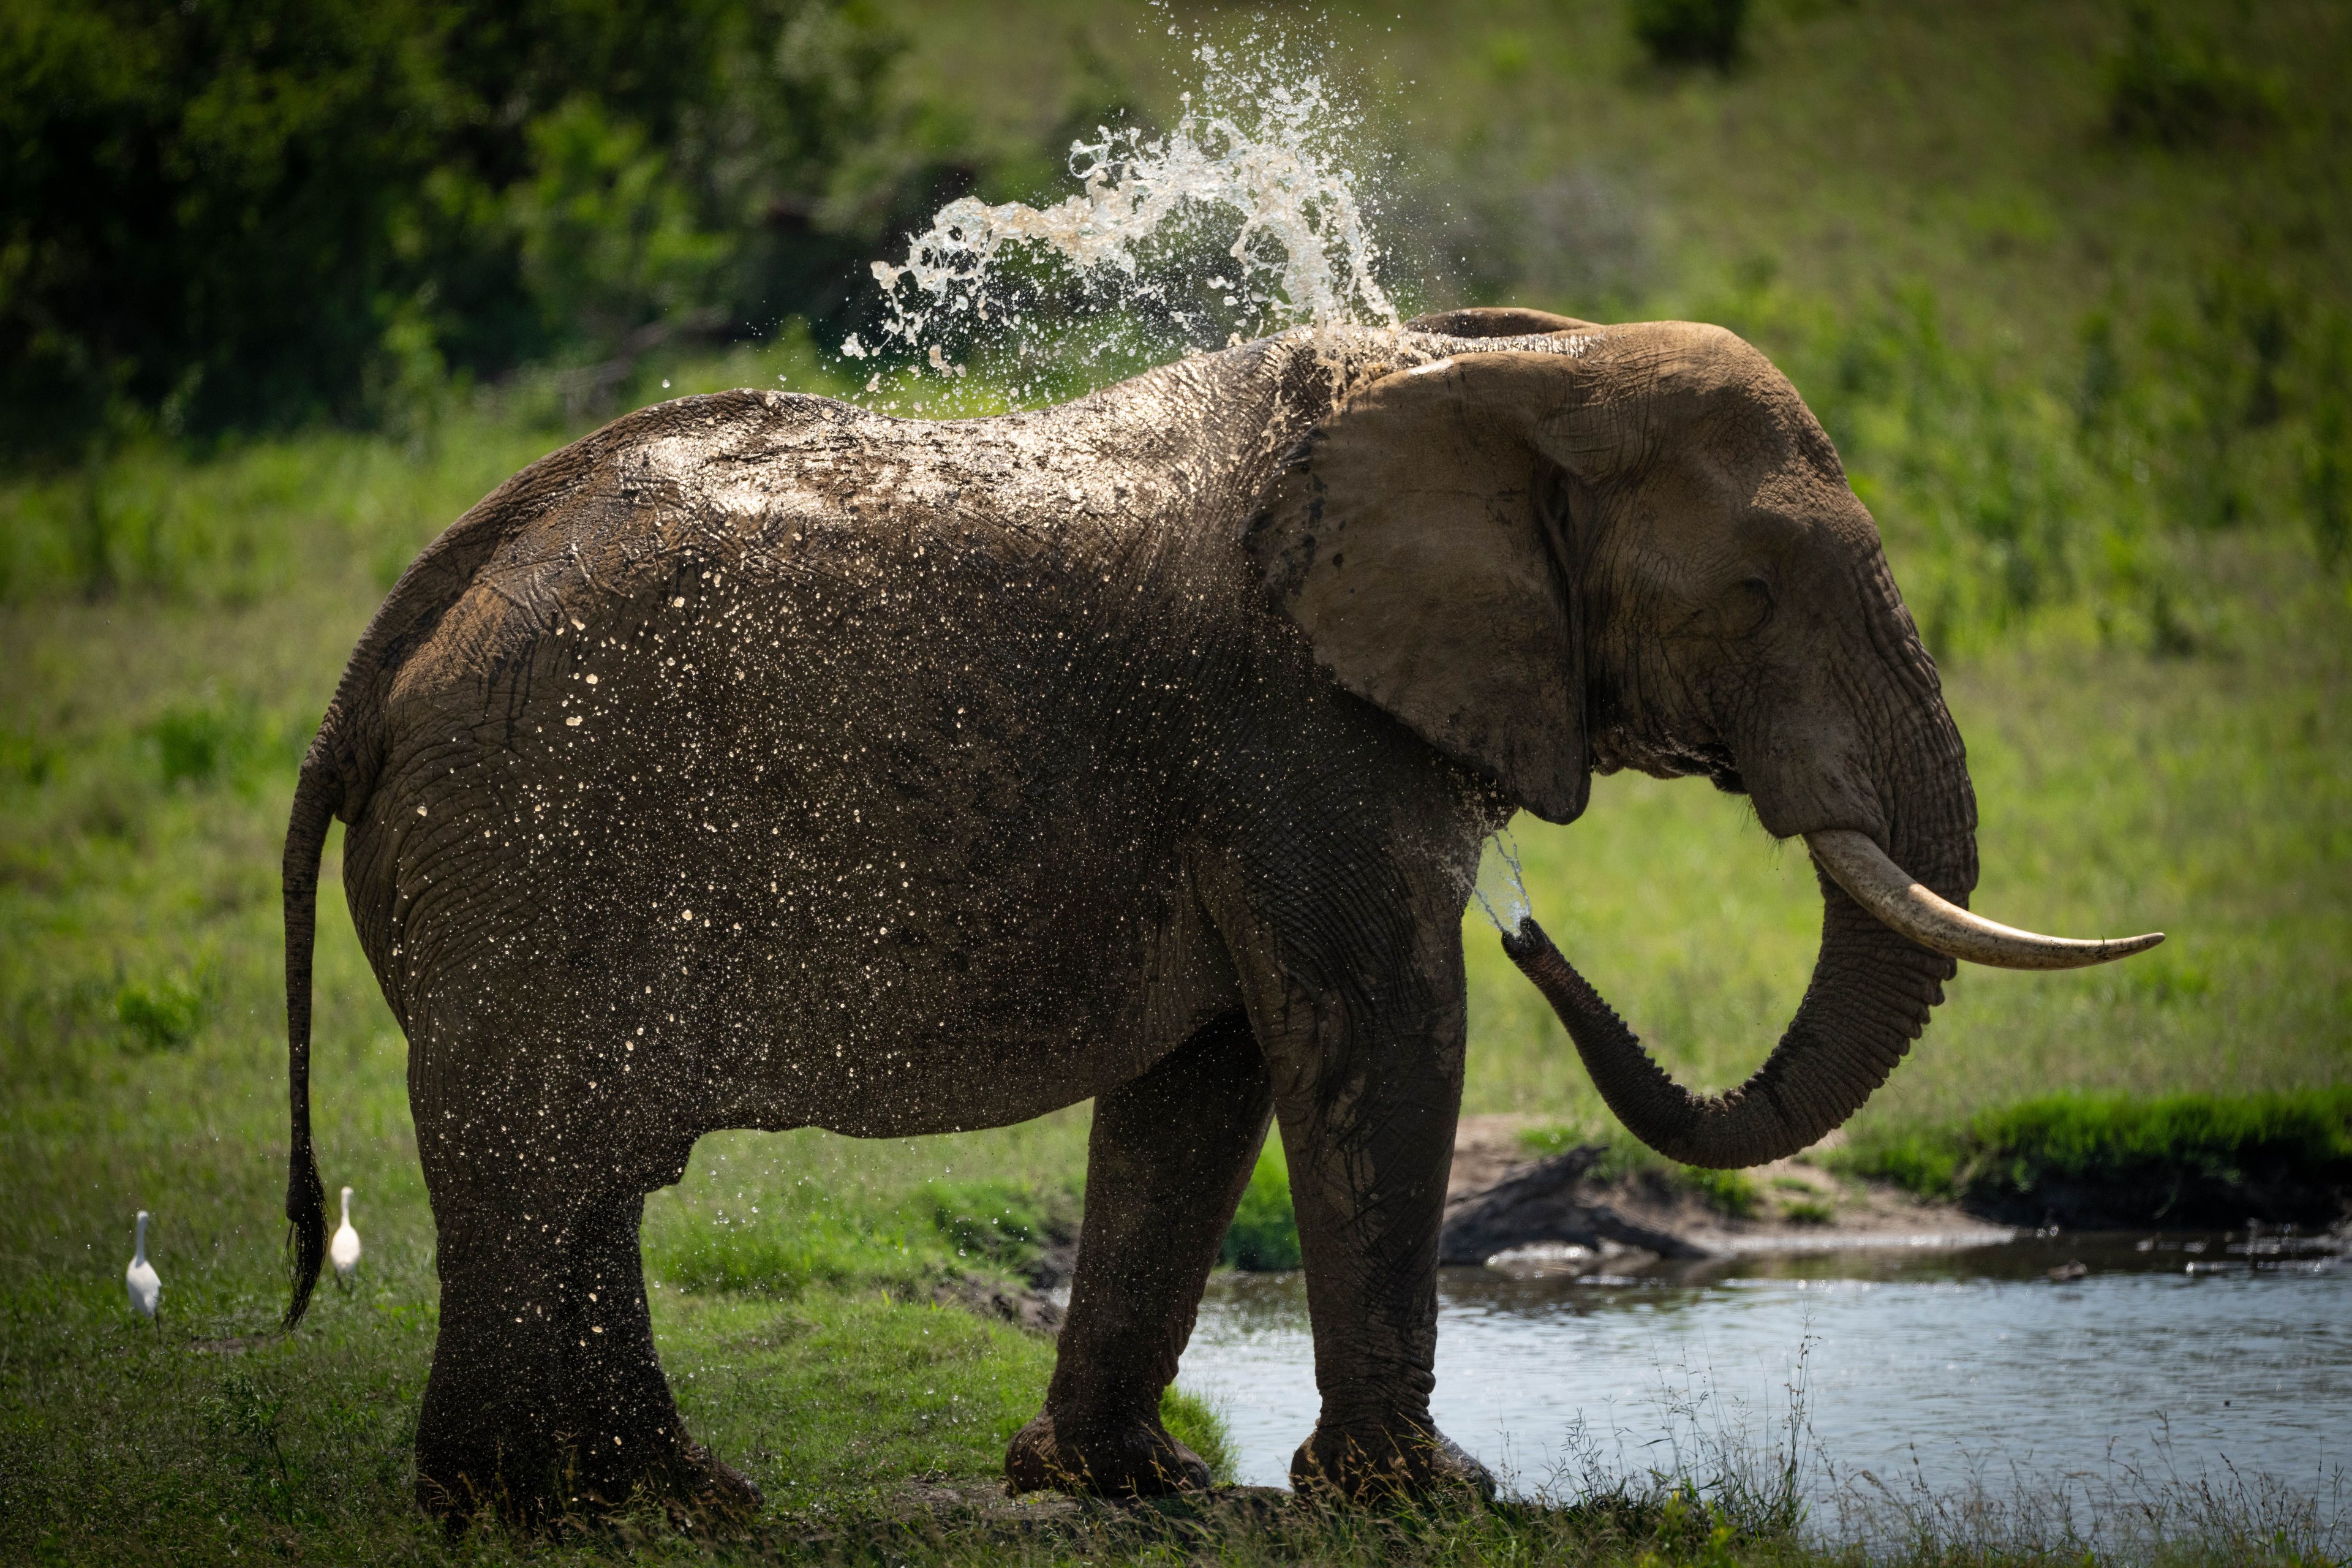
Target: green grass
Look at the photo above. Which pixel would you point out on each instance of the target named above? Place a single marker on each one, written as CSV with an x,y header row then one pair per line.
x,y
1264,1234
2117,1142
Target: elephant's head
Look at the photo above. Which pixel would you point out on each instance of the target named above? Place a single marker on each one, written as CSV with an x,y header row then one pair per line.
x,y
1635,547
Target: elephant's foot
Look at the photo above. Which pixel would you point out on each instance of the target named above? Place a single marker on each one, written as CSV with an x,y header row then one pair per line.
x,y
1133,1458
1379,1465
538,1491
547,1399
697,1486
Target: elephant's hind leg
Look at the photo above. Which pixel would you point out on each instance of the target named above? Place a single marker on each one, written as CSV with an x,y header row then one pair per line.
x,y
1169,1156
546,1393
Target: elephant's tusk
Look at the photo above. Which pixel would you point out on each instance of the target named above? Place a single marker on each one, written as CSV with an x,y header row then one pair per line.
x,y
1887,891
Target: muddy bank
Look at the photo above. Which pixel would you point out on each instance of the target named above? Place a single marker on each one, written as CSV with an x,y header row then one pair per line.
x,y
1502,1200
1580,1207
2272,1192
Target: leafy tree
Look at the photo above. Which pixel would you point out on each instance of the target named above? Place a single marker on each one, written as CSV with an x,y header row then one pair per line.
x,y
241,213
1690,32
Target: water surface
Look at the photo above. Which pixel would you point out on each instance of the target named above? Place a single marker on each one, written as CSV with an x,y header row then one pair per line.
x,y
2169,1357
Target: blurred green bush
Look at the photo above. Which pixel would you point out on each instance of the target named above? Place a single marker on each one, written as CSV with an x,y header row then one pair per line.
x,y
2002,494
195,744
235,215
2178,92
162,1016
1690,32
1263,1236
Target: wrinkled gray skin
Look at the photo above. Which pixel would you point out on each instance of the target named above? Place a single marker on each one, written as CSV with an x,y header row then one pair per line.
x,y
761,761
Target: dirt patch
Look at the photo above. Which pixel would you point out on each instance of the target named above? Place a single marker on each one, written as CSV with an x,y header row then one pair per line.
x,y
1500,1198
1024,1307
1035,1302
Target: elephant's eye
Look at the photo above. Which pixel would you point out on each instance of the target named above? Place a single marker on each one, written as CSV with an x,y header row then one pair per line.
x,y
1752,605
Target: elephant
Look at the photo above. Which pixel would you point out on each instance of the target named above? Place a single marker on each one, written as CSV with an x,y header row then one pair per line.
x,y
763,761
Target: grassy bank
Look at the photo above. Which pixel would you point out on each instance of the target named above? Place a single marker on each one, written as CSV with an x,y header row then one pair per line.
x,y
2178,1161
2104,1161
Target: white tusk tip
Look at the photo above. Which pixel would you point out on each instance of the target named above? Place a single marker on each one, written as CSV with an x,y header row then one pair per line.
x,y
1890,893
2124,946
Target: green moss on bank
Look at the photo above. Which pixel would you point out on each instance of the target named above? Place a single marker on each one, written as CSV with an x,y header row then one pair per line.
x,y
2176,1157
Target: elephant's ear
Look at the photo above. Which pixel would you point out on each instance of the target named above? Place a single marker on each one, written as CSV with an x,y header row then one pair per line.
x,y
1496,321
1413,538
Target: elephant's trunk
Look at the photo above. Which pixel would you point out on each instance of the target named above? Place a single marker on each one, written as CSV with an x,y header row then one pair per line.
x,y
1870,996
1859,1016
1881,970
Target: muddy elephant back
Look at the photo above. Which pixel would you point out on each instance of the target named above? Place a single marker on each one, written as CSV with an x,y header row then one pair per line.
x,y
493,579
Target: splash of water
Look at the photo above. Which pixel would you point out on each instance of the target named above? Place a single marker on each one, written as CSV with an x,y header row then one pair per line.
x,y
1500,880
1260,149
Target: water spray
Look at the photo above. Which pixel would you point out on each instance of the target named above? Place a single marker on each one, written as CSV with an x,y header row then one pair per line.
x,y
1260,147
1500,879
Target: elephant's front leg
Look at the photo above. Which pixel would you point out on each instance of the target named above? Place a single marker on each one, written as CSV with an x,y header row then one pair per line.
x,y
546,1393
1169,1156
1369,1080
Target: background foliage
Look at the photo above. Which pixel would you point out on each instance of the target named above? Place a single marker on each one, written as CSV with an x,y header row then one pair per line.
x,y
224,215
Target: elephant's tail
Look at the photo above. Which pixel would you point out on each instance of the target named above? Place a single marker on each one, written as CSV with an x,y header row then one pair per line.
x,y
315,797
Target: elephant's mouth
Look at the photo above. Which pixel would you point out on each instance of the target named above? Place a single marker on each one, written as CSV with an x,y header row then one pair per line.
x,y
1614,750
1714,763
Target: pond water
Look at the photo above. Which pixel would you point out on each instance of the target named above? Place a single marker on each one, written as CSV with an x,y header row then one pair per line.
x,y
1953,1371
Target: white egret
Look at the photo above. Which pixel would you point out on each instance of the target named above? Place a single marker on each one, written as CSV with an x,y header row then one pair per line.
x,y
145,1285
345,1249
